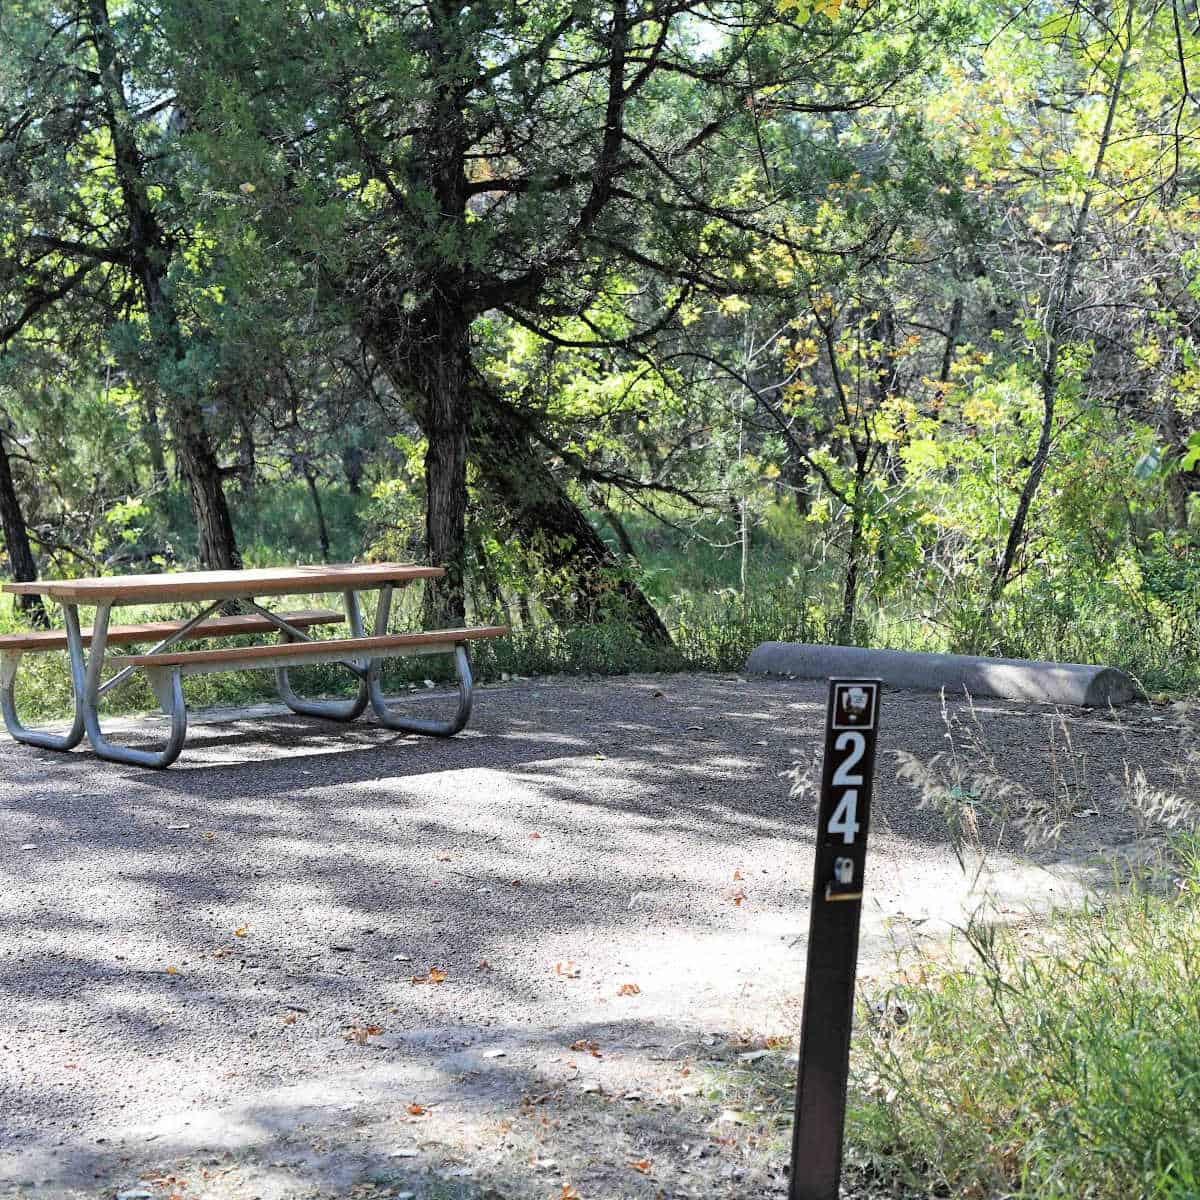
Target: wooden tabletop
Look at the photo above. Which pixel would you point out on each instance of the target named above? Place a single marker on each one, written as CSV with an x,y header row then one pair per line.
x,y
225,585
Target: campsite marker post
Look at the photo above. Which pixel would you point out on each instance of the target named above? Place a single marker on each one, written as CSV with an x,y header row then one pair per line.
x,y
851,726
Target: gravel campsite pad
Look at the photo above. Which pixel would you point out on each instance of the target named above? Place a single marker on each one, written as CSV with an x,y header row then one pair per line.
x,y
557,956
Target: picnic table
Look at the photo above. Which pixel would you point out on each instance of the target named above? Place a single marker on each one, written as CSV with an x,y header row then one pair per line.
x,y
360,653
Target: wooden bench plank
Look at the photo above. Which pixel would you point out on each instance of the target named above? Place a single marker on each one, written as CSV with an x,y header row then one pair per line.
x,y
124,635
365,647
223,585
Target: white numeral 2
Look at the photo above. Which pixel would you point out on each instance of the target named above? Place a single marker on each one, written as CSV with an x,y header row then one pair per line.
x,y
843,821
857,745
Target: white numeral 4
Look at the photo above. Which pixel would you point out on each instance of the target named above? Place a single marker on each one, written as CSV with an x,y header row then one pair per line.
x,y
843,819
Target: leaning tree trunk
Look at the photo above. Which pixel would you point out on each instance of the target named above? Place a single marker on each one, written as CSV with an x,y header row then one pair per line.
x,y
16,538
537,507
541,512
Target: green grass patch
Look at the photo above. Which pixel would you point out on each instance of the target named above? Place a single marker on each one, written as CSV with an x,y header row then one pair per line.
x,y
1061,1063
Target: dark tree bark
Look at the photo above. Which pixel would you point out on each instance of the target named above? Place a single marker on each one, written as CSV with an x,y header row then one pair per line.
x,y
536,505
16,539
854,553
198,463
441,375
543,514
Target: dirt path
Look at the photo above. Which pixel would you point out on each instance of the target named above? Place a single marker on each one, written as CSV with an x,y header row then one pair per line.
x,y
207,975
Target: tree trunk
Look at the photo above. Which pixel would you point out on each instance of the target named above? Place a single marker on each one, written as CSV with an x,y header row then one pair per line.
x,y
322,529
543,514
442,377
16,538
1056,331
198,463
149,259
352,468
536,505
853,554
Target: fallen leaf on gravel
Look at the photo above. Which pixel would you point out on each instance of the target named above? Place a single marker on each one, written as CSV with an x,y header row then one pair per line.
x,y
359,1033
484,965
629,989
443,858
533,837
568,1193
514,883
241,931
435,976
566,970
737,874
738,897
642,1164
208,837
593,1048
415,1110
289,1019
172,970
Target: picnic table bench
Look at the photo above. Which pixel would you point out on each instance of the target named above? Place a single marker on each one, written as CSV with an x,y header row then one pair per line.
x,y
361,653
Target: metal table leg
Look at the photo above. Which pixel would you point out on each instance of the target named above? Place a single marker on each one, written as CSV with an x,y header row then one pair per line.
x,y
9,662
330,710
85,673
414,724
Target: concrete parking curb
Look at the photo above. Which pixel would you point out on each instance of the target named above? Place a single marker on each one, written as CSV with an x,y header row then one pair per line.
x,y
1007,678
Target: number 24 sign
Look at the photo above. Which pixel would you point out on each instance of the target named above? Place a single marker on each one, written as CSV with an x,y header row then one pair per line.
x,y
846,784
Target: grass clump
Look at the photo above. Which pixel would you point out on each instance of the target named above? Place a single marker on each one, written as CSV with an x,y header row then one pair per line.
x,y
1063,1063
1060,1058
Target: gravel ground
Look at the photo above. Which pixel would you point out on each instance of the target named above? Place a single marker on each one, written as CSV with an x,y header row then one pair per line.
x,y
537,960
